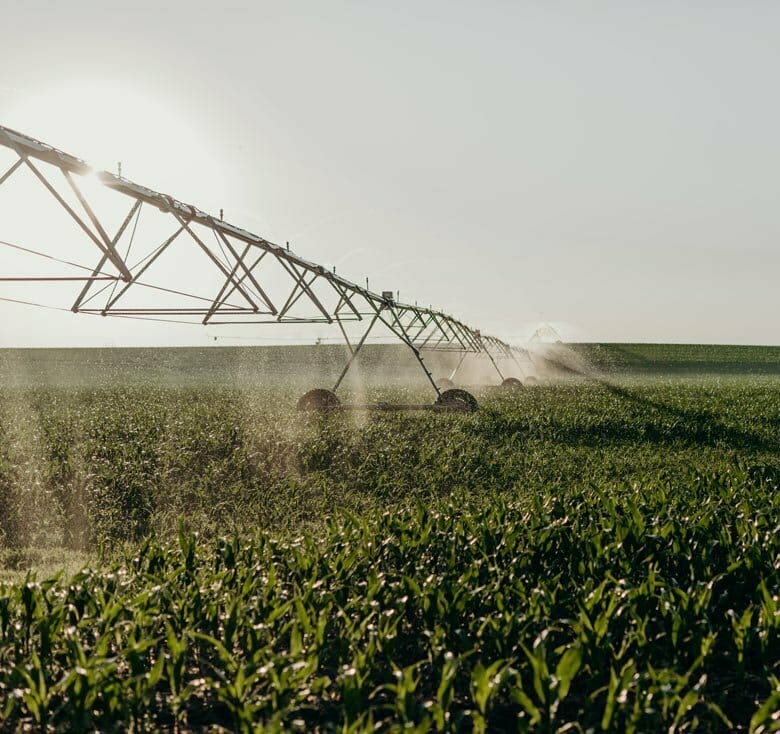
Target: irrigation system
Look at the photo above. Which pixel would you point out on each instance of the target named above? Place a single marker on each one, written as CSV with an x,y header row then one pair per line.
x,y
248,270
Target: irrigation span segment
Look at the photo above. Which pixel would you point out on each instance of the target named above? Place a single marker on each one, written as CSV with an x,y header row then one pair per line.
x,y
240,261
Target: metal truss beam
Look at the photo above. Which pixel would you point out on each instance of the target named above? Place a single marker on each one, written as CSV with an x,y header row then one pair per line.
x,y
243,254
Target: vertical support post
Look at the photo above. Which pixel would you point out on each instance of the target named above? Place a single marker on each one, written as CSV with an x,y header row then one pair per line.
x,y
344,334
490,356
354,351
406,340
462,358
516,361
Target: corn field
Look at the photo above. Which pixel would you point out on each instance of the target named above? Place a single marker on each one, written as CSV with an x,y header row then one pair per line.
x,y
579,556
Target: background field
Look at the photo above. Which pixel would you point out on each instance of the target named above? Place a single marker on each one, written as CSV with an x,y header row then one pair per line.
x,y
275,366
601,550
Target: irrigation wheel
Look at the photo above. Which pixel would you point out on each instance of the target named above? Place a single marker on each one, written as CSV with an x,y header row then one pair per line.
x,y
318,399
531,380
458,400
445,383
511,383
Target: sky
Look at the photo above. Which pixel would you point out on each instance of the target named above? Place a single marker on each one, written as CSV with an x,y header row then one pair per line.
x,y
608,168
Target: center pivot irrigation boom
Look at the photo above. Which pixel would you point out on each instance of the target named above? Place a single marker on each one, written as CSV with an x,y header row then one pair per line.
x,y
241,263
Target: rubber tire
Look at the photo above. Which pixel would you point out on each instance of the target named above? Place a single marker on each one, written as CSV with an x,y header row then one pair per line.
x,y
319,399
458,400
445,383
530,381
511,383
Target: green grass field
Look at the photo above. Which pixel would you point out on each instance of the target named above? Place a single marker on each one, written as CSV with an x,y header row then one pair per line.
x,y
584,555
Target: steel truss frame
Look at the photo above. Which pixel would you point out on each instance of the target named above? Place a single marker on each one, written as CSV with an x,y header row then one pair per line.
x,y
239,256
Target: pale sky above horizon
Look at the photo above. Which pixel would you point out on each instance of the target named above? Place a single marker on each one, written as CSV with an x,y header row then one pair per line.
x,y
611,169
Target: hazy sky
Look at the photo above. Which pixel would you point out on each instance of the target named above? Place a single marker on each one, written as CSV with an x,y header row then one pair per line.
x,y
611,168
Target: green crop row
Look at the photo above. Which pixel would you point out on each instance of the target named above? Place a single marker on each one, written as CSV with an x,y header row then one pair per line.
x,y
90,467
646,607
580,556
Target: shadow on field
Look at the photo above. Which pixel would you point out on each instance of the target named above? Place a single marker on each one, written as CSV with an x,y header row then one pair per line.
x,y
695,369
660,422
693,427
691,360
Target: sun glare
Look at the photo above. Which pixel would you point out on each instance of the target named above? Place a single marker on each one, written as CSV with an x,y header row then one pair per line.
x,y
112,126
